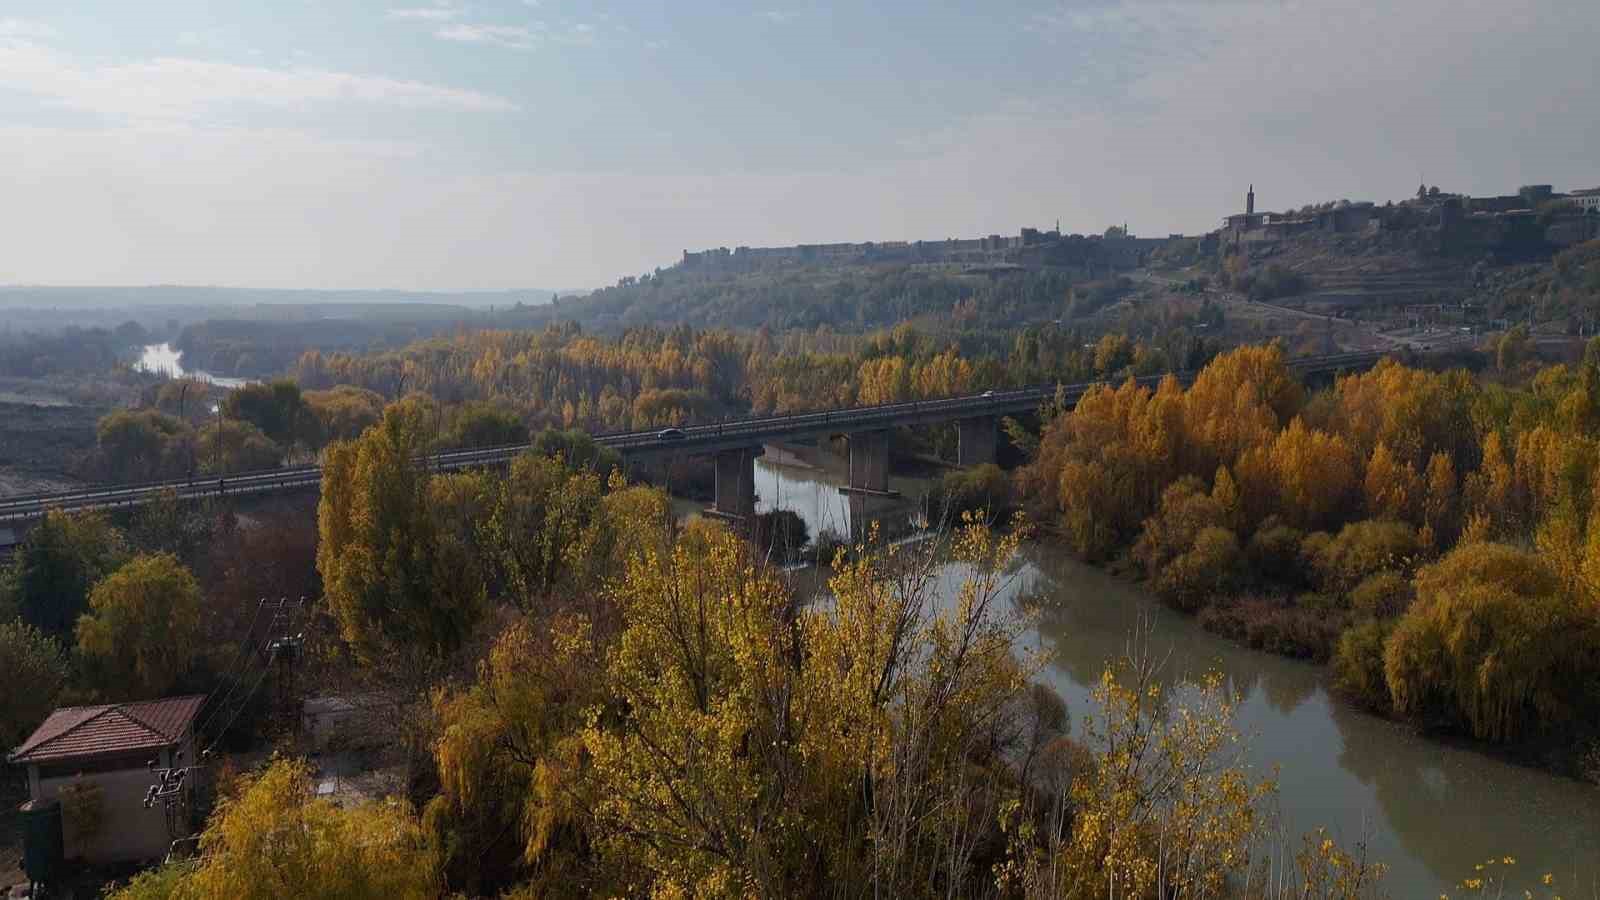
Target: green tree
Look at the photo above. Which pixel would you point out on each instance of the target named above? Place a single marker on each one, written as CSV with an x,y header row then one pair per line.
x,y
142,630
578,450
485,425
230,446
276,408
59,560
140,445
34,665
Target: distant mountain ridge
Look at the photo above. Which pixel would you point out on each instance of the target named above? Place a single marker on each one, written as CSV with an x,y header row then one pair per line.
x,y
194,295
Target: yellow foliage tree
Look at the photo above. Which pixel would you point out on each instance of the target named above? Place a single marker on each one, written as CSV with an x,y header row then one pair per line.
x,y
142,630
1491,641
276,840
1392,487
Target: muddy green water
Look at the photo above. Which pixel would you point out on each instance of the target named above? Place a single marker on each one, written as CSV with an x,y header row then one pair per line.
x,y
1429,810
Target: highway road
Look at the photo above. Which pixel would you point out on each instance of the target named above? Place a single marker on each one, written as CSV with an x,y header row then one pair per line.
x,y
689,440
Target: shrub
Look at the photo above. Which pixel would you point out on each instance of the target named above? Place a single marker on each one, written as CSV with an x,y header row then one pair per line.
x,y
1299,629
1382,596
781,533
1186,510
984,489
1206,569
1274,551
1362,549
1358,664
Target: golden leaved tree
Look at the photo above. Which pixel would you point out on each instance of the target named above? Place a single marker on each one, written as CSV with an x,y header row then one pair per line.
x,y
274,840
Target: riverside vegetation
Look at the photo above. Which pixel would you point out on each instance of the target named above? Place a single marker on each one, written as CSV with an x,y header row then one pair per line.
x,y
1433,535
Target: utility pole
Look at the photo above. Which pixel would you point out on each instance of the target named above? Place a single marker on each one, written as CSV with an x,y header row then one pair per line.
x,y
169,791
221,472
284,652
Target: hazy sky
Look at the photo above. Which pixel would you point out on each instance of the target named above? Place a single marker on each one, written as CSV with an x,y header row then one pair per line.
x,y
511,143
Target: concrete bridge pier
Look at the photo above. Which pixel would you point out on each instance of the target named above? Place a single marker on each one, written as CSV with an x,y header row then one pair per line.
x,y
977,441
735,497
869,478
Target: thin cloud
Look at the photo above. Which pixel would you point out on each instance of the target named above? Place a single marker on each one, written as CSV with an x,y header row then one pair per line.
x,y
515,37
178,89
780,16
24,28
426,14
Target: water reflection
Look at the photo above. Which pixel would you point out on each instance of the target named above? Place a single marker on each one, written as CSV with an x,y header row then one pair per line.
x,y
165,359
1429,810
812,492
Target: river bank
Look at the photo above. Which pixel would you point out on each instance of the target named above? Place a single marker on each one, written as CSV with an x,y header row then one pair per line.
x,y
1430,809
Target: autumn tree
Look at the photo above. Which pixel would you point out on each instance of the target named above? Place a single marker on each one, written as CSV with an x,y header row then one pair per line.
x,y
276,839
1393,489
141,633
59,560
1239,400
390,577
512,802
34,664
1317,475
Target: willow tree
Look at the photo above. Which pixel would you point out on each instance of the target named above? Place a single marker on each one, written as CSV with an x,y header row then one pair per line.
x,y
1493,642
142,630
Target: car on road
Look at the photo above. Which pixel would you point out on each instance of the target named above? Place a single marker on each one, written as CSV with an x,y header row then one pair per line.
x,y
670,434
987,394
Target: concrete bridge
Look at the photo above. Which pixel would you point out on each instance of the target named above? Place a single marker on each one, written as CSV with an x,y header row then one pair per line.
x,y
734,445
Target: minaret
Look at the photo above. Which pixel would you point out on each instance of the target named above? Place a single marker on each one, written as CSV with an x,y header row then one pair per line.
x,y
1250,202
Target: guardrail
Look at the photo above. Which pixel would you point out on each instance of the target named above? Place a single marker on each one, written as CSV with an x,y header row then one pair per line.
x,y
687,438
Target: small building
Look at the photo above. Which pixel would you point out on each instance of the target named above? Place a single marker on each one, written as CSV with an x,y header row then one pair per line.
x,y
112,748
345,722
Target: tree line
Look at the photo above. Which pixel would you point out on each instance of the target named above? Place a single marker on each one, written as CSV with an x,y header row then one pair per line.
x,y
1434,534
497,387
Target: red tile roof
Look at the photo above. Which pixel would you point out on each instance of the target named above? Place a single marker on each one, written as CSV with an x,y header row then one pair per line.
x,y
80,732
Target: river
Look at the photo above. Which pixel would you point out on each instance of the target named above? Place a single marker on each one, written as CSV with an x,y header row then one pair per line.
x,y
164,359
1427,809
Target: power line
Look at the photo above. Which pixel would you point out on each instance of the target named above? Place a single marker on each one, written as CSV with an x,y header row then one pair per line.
x,y
278,645
240,661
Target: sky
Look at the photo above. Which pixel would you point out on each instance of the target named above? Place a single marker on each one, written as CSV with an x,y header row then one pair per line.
x,y
500,144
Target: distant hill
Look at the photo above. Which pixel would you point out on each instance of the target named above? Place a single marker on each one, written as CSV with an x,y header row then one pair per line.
x,y
186,295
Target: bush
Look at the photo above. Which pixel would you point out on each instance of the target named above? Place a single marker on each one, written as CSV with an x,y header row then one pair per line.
x,y
1205,570
1382,596
1186,510
1274,551
1492,643
1358,664
578,450
1359,550
985,490
782,533
1301,629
